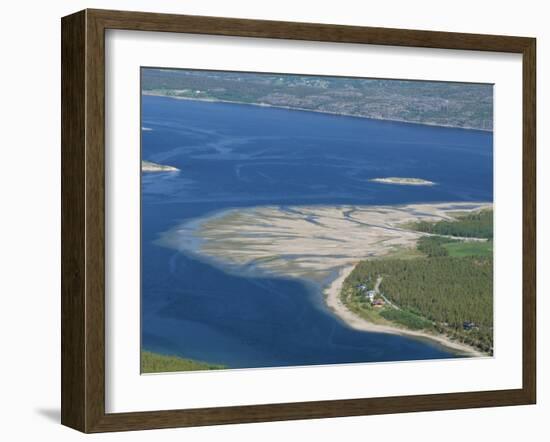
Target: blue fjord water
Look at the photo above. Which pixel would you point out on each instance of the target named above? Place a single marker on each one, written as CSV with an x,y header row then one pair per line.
x,y
232,156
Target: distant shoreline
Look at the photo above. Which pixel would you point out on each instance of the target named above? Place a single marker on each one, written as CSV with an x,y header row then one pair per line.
x,y
342,114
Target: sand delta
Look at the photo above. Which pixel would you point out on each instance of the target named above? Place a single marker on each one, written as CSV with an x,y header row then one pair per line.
x,y
317,243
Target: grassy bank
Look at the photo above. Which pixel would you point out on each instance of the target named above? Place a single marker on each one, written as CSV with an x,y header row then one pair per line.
x,y
157,363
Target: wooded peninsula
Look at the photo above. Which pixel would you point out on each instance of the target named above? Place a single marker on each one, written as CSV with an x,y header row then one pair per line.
x,y
443,286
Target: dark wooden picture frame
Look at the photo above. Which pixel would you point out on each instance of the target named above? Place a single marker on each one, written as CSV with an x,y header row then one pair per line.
x,y
83,220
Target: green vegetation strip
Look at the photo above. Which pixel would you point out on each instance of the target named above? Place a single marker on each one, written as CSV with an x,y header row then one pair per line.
x,y
406,318
157,363
477,248
437,246
471,225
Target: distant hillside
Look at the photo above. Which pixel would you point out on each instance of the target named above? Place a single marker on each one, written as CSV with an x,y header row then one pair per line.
x,y
438,103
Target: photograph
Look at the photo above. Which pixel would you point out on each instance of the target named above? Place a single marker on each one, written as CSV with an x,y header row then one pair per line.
x,y
274,222
292,220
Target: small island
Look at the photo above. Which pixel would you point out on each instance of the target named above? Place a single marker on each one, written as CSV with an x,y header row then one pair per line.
x,y
148,166
403,181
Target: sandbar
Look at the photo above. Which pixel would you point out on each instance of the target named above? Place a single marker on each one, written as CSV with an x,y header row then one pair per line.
x,y
321,244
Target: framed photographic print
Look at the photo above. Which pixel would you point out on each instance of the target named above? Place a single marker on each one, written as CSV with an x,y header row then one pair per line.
x,y
269,220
